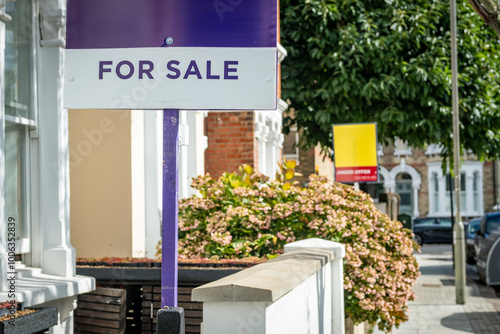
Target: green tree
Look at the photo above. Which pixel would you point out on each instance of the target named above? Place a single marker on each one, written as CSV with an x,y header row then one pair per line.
x,y
489,10
388,61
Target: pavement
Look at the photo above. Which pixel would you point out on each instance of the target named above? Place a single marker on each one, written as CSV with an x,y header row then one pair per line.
x,y
435,310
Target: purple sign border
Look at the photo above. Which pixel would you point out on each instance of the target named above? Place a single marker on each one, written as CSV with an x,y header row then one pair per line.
x,y
98,24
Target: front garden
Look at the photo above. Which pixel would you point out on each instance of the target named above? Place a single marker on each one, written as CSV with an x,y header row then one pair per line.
x,y
244,215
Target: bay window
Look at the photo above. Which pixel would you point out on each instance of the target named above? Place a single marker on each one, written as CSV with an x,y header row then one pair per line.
x,y
441,189
19,117
450,192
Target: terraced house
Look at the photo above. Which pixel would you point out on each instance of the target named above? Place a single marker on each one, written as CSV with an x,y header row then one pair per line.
x,y
417,176
34,188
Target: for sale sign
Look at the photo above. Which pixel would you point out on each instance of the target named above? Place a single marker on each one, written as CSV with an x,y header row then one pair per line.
x,y
178,54
355,152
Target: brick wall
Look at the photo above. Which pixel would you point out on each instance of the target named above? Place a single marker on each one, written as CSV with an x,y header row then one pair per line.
x,y
306,166
497,181
231,141
488,187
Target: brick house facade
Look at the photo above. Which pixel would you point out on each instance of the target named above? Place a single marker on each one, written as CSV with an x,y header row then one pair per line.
x,y
416,175
245,137
231,141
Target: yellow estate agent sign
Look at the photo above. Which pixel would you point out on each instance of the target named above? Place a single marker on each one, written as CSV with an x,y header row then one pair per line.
x,y
355,151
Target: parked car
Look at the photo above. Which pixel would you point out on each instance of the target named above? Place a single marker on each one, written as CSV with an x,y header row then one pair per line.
x,y
433,230
489,223
471,229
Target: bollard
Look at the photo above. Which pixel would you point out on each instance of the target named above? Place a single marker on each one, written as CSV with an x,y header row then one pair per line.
x,y
170,320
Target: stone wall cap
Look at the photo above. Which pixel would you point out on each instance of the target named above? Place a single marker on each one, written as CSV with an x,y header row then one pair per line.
x,y
338,248
266,282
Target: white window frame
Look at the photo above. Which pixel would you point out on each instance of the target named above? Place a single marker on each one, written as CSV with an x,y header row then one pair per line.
x,y
416,181
469,168
269,137
24,245
475,190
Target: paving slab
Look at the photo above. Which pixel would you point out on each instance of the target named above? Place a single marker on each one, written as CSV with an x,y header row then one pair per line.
x,y
435,310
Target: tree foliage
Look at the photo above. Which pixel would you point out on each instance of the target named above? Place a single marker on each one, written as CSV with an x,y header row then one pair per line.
x,y
489,10
388,61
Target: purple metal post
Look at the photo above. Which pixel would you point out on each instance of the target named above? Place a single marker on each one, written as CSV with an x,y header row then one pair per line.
x,y
170,222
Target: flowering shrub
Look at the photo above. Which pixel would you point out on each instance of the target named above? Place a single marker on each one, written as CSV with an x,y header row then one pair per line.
x,y
244,214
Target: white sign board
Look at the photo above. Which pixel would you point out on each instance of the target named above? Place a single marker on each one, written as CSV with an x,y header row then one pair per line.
x,y
172,78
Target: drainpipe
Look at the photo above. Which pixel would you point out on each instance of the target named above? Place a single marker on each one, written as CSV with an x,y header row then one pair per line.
x,y
495,185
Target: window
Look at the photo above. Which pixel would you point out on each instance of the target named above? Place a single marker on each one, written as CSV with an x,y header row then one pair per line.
x,y
15,180
475,191
19,117
436,191
291,145
450,189
441,189
18,60
405,191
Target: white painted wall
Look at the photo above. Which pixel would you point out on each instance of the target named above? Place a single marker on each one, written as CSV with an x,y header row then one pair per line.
x,y
301,291
305,309
234,318
138,163
337,276
196,149
152,176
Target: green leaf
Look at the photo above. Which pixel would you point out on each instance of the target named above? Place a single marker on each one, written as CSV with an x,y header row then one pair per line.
x,y
388,62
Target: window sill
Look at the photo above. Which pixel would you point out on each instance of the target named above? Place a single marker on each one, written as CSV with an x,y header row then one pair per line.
x,y
33,287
